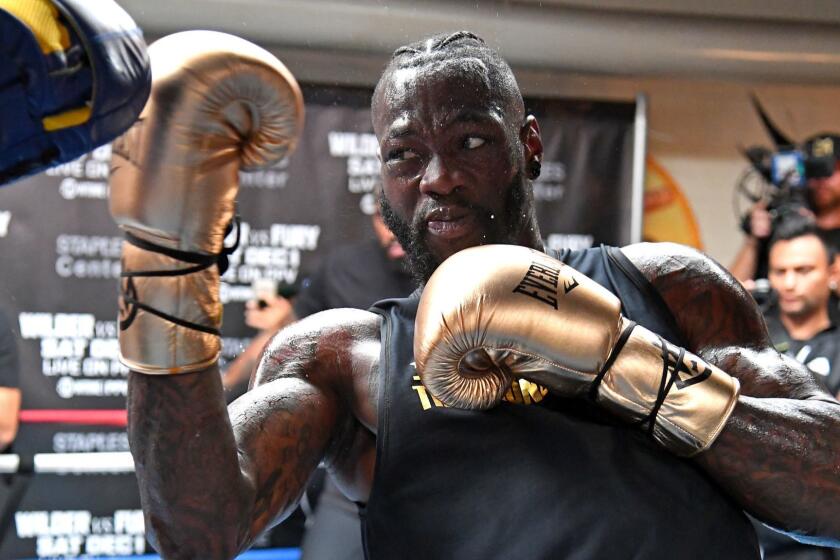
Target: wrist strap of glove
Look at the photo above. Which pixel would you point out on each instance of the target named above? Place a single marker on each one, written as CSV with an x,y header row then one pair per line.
x,y
678,398
616,350
666,381
201,262
669,375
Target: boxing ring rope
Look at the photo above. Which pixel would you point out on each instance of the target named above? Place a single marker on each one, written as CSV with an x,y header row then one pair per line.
x,y
106,462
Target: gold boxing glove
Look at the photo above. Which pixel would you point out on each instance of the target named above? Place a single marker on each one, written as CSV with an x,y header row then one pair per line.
x,y
218,104
495,313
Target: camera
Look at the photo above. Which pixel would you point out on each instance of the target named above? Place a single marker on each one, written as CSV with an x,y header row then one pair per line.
x,y
783,174
780,177
265,289
791,169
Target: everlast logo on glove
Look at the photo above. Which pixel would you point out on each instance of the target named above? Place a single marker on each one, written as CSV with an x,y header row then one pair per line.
x,y
541,281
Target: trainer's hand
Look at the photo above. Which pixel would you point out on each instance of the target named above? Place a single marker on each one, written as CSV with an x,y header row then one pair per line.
x,y
74,76
276,313
218,104
494,313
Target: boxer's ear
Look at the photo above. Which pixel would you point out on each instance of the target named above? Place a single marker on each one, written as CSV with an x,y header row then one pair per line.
x,y
529,135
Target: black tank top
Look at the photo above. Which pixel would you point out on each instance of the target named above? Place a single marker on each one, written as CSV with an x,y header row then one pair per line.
x,y
539,476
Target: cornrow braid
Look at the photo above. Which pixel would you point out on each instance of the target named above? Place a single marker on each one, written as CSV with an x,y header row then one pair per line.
x,y
467,46
437,42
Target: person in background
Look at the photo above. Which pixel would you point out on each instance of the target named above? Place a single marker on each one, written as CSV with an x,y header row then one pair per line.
x,y
823,198
9,384
356,276
802,275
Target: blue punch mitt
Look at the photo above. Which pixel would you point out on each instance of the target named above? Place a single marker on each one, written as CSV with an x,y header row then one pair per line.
x,y
74,75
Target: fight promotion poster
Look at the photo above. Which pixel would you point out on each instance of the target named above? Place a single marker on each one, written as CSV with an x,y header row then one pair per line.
x,y
584,193
60,256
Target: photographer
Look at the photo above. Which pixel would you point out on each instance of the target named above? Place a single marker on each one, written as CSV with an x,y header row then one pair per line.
x,y
354,276
821,199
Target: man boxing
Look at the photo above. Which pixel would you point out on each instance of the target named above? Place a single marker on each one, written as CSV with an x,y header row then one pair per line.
x,y
586,454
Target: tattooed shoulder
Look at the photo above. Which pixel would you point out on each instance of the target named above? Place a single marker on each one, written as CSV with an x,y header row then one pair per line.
x,y
710,306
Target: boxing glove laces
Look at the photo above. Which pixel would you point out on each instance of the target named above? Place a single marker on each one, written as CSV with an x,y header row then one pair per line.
x,y
218,104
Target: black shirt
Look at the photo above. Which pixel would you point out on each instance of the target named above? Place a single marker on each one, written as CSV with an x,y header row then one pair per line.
x,y
539,477
820,353
354,276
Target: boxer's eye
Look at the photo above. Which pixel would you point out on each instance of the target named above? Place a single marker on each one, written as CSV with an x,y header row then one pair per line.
x,y
401,154
473,142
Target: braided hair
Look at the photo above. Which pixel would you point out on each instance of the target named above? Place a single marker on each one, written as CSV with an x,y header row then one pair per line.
x,y
441,42
457,53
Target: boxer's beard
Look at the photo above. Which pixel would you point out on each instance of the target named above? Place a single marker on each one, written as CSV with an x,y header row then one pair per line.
x,y
422,263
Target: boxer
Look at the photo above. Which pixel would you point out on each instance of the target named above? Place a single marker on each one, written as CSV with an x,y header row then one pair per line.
x,y
631,404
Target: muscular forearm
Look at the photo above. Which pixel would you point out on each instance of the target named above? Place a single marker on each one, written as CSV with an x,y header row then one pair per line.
x,y
780,459
194,494
212,479
197,475
778,455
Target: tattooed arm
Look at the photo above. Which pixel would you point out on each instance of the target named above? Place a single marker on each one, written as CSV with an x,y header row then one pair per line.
x,y
779,454
211,482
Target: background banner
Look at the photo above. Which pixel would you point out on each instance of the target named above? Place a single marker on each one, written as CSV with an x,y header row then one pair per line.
x,y
60,259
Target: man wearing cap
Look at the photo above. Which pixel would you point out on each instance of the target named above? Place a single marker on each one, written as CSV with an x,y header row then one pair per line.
x,y
824,192
822,169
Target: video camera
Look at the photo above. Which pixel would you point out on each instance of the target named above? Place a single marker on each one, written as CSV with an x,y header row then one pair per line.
x,y
790,167
784,172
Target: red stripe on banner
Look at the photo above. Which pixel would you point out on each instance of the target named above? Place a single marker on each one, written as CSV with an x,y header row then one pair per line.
x,y
98,417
